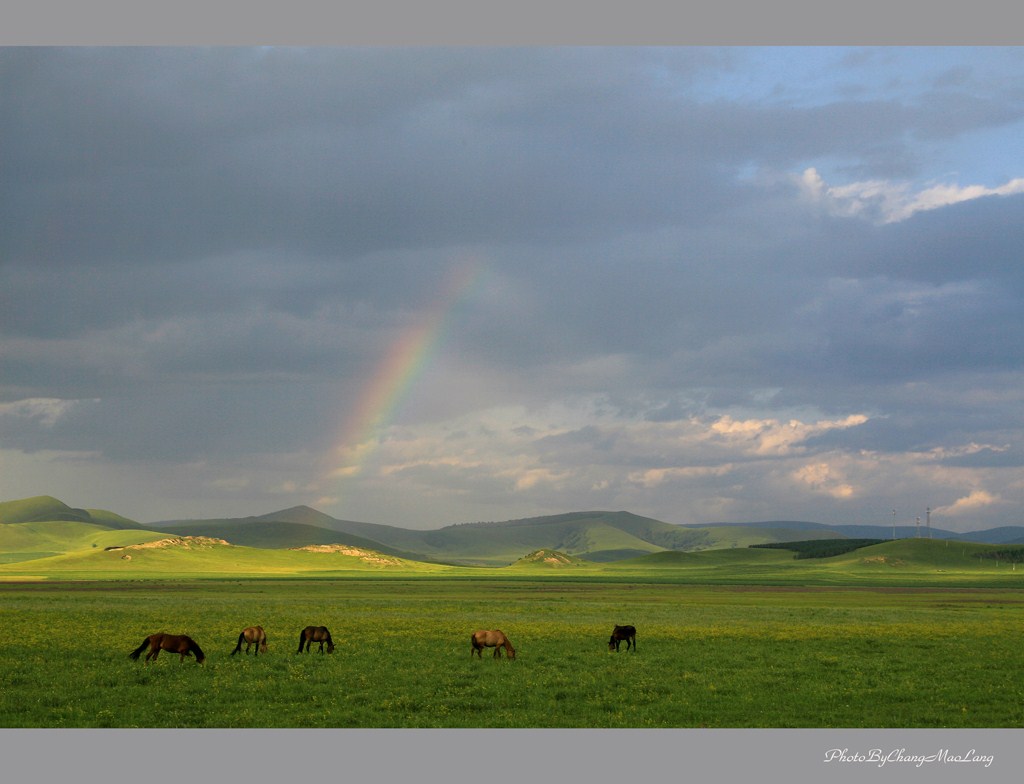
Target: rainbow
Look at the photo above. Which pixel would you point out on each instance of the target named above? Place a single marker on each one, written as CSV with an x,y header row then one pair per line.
x,y
397,373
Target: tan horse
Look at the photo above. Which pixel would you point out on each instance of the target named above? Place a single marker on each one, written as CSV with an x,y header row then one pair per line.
x,y
312,634
174,643
491,638
253,635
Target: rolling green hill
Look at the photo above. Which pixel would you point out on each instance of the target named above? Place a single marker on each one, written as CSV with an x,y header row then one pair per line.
x,y
594,536
905,562
280,535
191,557
70,550
29,541
45,508
44,536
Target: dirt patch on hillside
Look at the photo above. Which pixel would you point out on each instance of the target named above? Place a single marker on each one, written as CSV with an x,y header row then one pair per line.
x,y
184,542
884,560
367,556
550,557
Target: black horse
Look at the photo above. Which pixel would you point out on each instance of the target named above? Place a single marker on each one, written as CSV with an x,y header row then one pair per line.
x,y
620,633
312,634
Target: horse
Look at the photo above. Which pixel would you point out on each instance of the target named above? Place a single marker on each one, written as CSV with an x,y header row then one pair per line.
x,y
620,633
491,638
312,634
174,643
253,635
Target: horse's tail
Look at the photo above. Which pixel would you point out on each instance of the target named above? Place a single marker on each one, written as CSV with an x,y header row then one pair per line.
x,y
302,639
135,654
241,638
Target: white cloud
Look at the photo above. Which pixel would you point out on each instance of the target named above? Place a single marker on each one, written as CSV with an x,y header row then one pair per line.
x,y
884,201
653,477
969,504
824,478
774,437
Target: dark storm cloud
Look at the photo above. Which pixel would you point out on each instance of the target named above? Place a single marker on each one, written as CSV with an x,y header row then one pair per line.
x,y
154,155
212,250
164,154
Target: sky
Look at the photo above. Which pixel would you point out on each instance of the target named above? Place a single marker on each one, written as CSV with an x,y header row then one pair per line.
x,y
420,286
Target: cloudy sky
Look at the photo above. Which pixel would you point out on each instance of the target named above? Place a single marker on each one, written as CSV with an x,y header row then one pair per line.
x,y
422,286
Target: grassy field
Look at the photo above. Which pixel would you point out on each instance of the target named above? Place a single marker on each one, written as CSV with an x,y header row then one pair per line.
x,y
911,633
709,656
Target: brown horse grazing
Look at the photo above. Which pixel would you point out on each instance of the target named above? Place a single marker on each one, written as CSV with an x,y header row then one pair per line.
x,y
312,634
253,635
174,643
491,638
620,633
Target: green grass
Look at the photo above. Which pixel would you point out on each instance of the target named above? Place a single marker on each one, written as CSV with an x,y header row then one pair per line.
x,y
911,633
204,561
67,536
709,656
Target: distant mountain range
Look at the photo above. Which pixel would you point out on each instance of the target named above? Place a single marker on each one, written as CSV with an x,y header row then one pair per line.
x,y
598,536
594,536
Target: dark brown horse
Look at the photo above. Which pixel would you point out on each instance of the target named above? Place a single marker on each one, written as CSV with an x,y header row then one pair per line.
x,y
173,643
312,634
491,638
620,633
252,635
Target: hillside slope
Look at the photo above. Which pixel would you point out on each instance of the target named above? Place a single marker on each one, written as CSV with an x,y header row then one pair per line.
x,y
187,557
44,508
279,535
29,541
594,536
